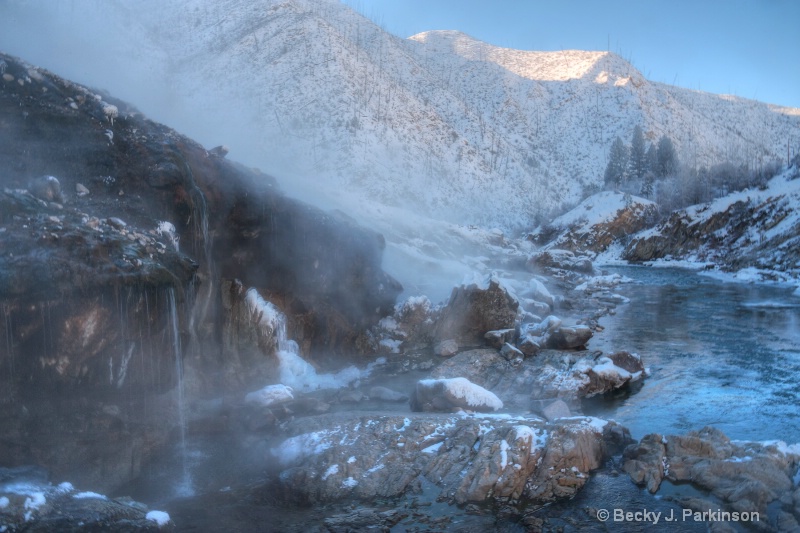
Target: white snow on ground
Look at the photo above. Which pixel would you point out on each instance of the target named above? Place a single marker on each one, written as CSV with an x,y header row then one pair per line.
x,y
159,517
270,395
433,448
333,469
600,208
349,483
295,448
4,502
504,447
89,495
590,422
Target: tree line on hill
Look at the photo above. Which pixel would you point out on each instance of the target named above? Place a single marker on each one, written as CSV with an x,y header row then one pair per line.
x,y
654,171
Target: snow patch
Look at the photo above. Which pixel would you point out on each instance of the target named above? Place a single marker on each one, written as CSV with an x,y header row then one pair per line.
x,y
332,470
296,448
433,448
504,447
88,495
269,395
159,517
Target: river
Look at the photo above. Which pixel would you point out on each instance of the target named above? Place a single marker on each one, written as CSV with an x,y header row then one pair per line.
x,y
720,354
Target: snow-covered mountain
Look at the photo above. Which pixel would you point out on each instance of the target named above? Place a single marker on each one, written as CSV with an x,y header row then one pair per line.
x,y
451,127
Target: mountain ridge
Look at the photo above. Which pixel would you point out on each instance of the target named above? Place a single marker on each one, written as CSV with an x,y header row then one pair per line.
x,y
441,124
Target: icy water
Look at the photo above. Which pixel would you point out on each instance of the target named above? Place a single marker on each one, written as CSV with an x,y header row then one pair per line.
x,y
720,354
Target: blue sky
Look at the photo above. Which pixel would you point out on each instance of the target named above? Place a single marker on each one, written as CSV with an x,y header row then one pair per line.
x,y
750,48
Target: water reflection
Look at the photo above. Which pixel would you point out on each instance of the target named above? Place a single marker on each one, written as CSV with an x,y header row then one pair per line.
x,y
720,354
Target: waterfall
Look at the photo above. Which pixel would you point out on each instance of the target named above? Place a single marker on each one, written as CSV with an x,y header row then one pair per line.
x,y
185,486
294,371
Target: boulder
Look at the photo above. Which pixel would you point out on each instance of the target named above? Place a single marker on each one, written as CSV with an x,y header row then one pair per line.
x,y
569,337
511,354
497,338
269,395
529,345
468,459
446,348
551,375
555,410
475,309
645,461
746,476
35,505
452,394
388,395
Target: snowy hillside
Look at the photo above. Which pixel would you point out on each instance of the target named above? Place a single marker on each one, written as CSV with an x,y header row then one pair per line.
x,y
755,232
601,223
440,123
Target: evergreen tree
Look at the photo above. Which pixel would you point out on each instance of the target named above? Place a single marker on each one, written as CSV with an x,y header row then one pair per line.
x,y
666,157
617,164
651,158
638,156
648,184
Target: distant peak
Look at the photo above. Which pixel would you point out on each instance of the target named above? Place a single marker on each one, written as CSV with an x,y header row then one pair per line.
x,y
600,67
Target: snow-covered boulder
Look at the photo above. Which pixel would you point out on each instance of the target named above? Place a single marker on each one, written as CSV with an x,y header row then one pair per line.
x,y
453,394
269,395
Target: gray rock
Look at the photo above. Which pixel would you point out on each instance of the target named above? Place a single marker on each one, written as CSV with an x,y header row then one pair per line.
x,y
446,348
644,462
387,395
551,375
511,354
44,507
556,409
569,337
561,259
497,338
116,223
530,345
46,188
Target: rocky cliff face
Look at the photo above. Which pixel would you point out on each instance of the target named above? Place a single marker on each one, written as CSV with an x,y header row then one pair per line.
x,y
117,238
751,229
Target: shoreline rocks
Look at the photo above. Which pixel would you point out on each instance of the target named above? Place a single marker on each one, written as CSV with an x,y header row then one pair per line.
x,y
470,458
756,478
